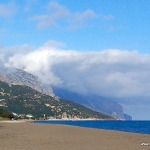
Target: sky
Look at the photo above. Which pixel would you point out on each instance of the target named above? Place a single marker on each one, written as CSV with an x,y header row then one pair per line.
x,y
90,47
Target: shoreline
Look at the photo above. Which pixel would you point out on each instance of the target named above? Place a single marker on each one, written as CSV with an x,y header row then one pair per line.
x,y
27,135
41,122
14,121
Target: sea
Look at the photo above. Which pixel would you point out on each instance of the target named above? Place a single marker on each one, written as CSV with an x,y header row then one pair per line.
x,y
142,127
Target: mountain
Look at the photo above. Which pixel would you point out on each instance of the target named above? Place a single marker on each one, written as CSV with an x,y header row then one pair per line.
x,y
21,77
94,102
25,101
127,117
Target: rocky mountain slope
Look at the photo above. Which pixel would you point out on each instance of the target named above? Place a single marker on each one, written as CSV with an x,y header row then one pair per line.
x,y
20,77
94,102
24,100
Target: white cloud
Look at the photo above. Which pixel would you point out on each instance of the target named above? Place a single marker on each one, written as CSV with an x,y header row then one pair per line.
x,y
7,9
108,17
113,73
29,4
78,20
9,51
54,44
57,13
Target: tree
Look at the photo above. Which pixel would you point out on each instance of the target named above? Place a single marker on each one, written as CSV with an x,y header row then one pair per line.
x,y
6,114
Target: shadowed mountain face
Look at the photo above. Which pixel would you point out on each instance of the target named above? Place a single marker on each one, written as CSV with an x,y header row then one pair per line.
x,y
94,102
20,77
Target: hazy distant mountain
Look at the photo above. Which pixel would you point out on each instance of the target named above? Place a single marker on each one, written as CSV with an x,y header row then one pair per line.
x,y
94,102
127,117
24,100
20,77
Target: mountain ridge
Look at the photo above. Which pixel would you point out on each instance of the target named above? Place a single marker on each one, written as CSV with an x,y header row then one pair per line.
x,y
21,77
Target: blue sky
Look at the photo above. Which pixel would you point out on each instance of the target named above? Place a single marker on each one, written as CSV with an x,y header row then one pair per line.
x,y
81,25
90,46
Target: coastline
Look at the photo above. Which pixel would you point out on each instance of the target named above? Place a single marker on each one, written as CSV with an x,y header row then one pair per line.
x,y
14,121
16,136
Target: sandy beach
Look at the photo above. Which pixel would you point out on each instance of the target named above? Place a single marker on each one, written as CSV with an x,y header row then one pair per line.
x,y
29,136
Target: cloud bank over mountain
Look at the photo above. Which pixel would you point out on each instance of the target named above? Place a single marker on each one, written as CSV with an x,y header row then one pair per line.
x,y
122,75
113,73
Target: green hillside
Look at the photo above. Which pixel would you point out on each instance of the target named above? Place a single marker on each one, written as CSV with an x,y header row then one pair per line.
x,y
24,100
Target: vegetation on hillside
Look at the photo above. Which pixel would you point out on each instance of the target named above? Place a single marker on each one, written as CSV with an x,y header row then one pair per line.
x,y
23,100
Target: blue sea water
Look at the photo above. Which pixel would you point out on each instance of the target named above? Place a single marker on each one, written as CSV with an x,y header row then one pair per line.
x,y
142,127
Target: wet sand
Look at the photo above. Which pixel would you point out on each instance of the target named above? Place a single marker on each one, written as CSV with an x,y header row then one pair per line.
x,y
29,136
